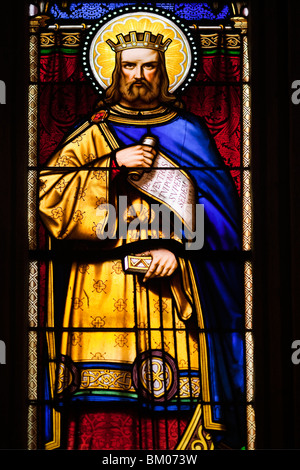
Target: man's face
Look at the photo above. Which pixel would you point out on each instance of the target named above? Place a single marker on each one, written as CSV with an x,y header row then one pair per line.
x,y
140,78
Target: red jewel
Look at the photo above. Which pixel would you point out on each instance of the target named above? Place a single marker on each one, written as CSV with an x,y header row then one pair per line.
x,y
99,117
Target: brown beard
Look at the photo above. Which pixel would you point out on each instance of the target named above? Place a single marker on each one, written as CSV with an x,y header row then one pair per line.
x,y
113,94
145,93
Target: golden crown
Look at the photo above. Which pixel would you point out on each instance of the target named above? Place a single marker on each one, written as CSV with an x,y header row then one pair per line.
x,y
134,40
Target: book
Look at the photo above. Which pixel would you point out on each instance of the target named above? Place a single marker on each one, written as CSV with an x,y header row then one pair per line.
x,y
136,264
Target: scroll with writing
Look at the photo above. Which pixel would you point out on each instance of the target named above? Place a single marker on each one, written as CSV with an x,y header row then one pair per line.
x,y
166,183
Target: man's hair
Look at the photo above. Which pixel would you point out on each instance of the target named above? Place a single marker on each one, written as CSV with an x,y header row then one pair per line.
x,y
113,94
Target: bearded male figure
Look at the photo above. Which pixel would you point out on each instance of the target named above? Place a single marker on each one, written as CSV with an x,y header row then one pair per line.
x,y
146,348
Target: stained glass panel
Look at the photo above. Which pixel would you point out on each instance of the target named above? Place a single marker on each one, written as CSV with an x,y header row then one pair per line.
x,y
60,98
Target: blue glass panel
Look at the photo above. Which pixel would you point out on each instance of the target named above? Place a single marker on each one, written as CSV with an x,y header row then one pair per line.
x,y
188,11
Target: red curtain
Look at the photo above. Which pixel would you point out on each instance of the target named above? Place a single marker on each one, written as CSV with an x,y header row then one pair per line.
x,y
122,430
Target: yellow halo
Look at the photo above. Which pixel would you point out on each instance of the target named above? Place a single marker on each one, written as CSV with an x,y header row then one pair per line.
x,y
178,54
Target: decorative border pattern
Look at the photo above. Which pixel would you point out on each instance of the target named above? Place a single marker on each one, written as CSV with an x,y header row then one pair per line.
x,y
228,41
51,40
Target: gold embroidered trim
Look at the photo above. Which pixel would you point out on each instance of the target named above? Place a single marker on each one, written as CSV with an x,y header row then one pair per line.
x,y
141,117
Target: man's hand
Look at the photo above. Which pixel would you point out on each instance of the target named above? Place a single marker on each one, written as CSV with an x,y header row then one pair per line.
x,y
136,156
163,263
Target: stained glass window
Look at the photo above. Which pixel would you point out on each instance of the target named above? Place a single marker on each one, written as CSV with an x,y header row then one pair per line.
x,y
89,391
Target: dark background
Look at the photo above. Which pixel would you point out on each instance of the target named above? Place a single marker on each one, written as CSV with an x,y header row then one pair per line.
x,y
274,56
